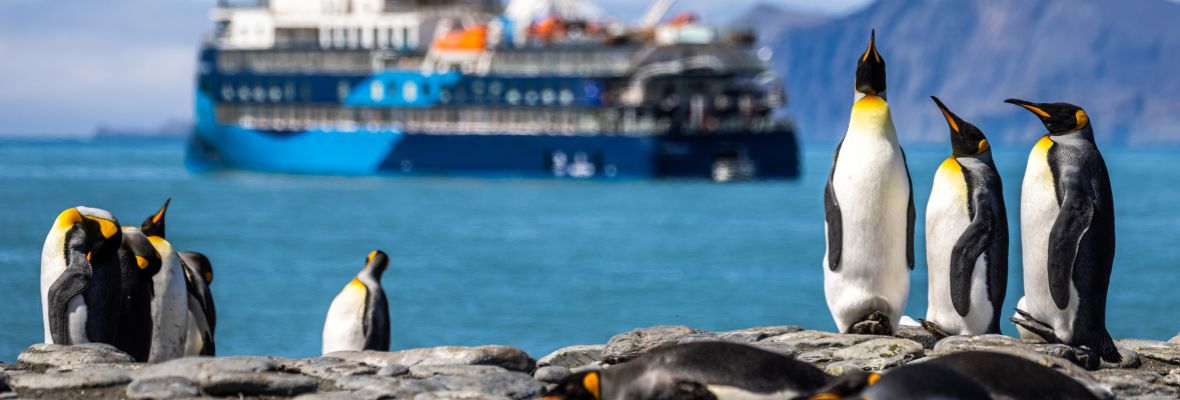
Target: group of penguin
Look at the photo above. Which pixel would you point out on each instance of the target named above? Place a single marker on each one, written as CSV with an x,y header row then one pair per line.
x,y
1066,225
125,286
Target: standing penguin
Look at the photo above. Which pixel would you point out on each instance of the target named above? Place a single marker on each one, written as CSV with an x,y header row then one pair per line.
x,y
140,264
80,277
169,305
966,237
358,318
198,274
869,213
1067,232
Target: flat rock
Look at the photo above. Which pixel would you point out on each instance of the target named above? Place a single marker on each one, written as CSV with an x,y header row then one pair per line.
x,y
873,355
1162,351
256,384
1003,344
751,335
1129,383
631,344
454,395
573,356
816,340
168,387
56,355
86,377
328,367
1078,356
551,373
917,334
510,358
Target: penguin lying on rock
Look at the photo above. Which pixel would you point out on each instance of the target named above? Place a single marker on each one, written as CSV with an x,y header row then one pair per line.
x,y
695,371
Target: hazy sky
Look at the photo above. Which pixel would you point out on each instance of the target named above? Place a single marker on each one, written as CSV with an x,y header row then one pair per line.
x,y
70,66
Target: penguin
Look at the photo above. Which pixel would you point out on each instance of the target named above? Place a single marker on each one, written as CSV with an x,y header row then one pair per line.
x,y
358,318
869,213
695,370
966,237
198,274
1067,232
913,381
80,277
1010,377
140,262
169,305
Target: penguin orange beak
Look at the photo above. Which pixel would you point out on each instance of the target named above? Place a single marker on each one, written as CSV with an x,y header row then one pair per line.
x,y
1034,107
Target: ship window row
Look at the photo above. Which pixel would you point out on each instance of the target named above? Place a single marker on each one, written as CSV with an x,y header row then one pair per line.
x,y
354,37
298,61
469,120
581,63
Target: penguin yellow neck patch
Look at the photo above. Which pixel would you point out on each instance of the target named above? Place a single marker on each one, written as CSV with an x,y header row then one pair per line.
x,y
107,227
870,102
590,382
141,262
983,146
1082,119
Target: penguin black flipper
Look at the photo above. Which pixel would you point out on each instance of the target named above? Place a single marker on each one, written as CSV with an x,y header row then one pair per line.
x,y
833,217
72,282
1077,210
910,214
376,321
974,241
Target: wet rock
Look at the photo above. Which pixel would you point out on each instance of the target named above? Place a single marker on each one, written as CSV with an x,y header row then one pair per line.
x,y
628,345
1129,383
86,377
510,358
873,355
256,384
1154,349
393,370
328,367
917,334
573,356
168,387
551,373
480,379
56,355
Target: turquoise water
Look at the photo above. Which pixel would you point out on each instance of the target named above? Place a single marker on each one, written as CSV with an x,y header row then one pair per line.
x,y
537,264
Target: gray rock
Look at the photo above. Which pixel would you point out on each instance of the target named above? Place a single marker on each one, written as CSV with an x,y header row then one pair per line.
x,y
168,387
1078,356
873,355
256,384
873,364
597,365
628,345
56,355
551,373
917,334
1130,360
393,370
199,369
86,377
1154,349
573,356
1175,340
751,335
376,387
328,367
807,340
1173,377
335,395
1003,344
453,395
1129,383
480,379
502,356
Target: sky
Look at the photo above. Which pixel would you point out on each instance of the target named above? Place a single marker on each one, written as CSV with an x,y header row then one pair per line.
x,y
71,66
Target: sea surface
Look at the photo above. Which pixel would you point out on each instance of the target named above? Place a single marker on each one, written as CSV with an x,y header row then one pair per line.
x,y
537,264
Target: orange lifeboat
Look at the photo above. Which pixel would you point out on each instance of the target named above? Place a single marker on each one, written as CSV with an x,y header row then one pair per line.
x,y
472,39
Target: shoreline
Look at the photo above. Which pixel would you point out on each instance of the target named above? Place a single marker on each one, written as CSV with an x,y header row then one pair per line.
x,y
1151,368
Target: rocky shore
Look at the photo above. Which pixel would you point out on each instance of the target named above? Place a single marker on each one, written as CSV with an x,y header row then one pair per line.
x,y
1150,369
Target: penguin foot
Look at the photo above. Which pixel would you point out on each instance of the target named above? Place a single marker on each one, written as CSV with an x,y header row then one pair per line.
x,y
1038,328
934,329
877,323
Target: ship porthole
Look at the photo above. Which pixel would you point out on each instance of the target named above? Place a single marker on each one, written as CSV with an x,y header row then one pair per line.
x,y
410,91
513,96
376,91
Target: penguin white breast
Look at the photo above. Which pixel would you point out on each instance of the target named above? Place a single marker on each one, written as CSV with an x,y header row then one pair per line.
x,y
344,327
53,264
169,306
1038,213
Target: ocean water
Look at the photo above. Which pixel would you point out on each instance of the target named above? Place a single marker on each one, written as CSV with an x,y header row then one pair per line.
x,y
537,264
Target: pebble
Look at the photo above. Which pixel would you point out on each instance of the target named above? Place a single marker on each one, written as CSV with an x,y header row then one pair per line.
x,y
573,356
56,355
631,344
510,358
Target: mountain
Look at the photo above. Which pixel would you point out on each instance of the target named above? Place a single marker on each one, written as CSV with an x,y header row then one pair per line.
x,y
1120,60
770,21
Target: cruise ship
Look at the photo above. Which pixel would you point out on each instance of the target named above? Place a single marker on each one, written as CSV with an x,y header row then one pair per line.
x,y
531,88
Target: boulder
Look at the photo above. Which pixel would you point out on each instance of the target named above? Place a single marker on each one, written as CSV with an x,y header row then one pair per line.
x,y
510,358
393,370
59,356
628,345
573,356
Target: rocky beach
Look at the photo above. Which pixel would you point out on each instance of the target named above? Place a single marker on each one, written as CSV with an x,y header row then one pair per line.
x,y
1150,369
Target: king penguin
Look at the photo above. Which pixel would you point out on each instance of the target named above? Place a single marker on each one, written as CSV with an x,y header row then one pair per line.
x,y
169,304
198,274
80,277
1067,232
696,371
869,213
966,237
358,318
140,264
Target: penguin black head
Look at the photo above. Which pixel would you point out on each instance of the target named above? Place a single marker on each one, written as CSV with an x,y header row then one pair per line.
x,y
870,71
91,230
375,263
146,259
154,225
966,139
201,262
1059,118
580,386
